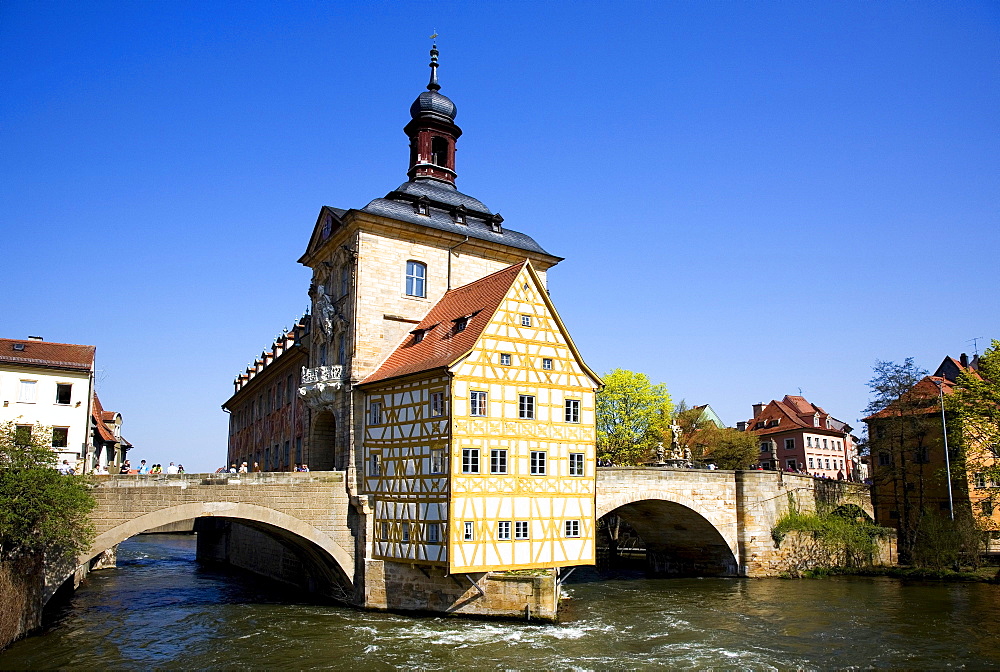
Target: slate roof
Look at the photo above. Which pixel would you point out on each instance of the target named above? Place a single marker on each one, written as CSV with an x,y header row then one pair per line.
x,y
441,345
442,201
44,353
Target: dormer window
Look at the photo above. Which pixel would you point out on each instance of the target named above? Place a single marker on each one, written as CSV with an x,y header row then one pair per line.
x,y
461,323
459,215
418,335
495,224
422,206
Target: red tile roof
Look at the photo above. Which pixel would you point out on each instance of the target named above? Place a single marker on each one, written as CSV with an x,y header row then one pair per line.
x,y
97,412
441,345
43,353
795,413
923,396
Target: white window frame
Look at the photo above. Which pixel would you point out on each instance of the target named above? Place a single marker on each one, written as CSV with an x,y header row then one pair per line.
x,y
538,463
577,464
526,320
470,460
384,528
504,359
526,407
434,533
375,464
437,404
478,404
416,279
498,461
468,531
547,363
522,530
404,532
503,530
28,392
571,529
375,413
437,460
572,414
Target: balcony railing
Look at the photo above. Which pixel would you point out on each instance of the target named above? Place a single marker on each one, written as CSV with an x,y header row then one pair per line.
x,y
323,374
321,385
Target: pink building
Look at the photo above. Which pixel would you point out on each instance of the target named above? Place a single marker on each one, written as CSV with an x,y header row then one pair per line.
x,y
798,435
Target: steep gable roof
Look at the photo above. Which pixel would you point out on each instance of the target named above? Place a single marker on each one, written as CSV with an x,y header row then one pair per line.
x,y
97,414
436,344
441,344
31,352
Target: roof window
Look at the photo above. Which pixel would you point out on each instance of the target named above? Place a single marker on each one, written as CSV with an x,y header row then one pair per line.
x,y
459,215
421,206
495,223
19,347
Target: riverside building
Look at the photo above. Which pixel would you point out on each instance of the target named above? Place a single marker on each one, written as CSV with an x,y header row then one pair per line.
x,y
438,375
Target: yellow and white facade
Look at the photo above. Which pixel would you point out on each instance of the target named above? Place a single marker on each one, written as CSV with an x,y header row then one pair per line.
x,y
484,460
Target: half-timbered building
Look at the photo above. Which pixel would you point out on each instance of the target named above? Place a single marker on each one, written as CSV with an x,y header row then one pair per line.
x,y
480,434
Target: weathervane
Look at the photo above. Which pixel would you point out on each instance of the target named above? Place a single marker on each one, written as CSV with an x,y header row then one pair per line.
x,y
433,84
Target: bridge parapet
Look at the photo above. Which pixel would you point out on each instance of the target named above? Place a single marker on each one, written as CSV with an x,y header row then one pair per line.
x,y
187,480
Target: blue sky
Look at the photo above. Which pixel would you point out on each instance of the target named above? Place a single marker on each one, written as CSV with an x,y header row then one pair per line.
x,y
752,198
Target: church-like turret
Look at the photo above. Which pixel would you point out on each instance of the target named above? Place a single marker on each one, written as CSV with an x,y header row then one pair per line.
x,y
432,132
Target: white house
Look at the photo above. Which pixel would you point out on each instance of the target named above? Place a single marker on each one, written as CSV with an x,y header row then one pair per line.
x,y
51,384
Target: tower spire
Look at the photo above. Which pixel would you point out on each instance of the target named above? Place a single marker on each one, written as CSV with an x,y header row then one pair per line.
x,y
433,85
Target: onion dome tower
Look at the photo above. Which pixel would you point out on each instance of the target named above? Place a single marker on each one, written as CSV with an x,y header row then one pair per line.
x,y
432,132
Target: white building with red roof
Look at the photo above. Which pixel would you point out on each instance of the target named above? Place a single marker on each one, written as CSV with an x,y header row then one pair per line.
x,y
51,385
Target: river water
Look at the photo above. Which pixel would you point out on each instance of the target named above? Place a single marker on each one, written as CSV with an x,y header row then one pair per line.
x,y
162,610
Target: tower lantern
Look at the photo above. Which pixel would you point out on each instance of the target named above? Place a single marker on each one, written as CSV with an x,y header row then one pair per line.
x,y
432,132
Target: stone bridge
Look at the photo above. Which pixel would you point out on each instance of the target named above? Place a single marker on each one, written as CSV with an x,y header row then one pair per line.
x,y
716,522
306,529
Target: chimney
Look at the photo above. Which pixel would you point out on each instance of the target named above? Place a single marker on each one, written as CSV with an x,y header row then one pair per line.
x,y
758,409
741,426
35,338
964,359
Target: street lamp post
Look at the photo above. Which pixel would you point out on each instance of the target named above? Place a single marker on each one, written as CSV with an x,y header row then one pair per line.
x,y
944,432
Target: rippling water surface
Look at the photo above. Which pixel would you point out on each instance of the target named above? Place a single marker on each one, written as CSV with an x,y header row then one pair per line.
x,y
160,609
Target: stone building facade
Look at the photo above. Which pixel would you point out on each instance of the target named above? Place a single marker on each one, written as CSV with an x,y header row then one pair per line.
x,y
268,422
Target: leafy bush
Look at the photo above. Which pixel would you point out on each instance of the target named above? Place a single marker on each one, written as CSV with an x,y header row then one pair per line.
x,y
854,538
42,512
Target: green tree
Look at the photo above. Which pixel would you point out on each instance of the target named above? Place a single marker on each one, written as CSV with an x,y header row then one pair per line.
x,y
728,448
632,413
975,406
42,512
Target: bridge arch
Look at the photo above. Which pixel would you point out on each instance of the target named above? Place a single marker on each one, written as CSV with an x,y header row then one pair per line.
x,y
323,553
682,535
